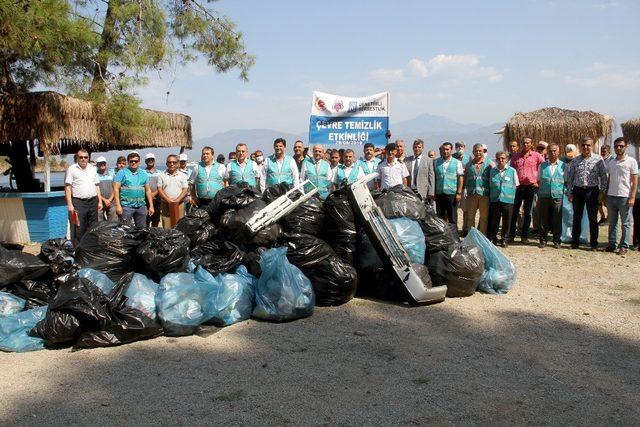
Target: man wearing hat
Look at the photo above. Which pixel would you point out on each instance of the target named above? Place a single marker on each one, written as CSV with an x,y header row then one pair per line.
x,y
391,171
106,176
150,161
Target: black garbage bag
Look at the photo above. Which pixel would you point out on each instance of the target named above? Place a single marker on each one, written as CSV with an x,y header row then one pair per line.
x,y
275,191
58,253
460,268
109,247
306,251
334,281
400,201
12,246
58,329
165,250
217,256
123,324
438,234
339,225
377,283
233,227
232,197
307,218
35,292
197,226
16,266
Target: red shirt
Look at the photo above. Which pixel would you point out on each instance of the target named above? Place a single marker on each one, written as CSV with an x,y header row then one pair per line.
x,y
526,166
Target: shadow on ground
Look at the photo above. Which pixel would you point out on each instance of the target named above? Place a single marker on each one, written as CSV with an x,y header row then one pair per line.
x,y
364,363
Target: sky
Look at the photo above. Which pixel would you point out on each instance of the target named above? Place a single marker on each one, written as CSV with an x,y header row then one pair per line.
x,y
471,61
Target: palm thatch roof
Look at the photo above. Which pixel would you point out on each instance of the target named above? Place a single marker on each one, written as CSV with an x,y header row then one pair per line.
x,y
56,121
558,125
631,131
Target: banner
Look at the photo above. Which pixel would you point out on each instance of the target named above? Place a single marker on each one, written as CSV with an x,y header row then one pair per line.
x,y
341,120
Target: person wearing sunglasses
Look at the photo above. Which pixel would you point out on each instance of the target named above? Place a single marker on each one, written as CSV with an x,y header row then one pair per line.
x,y
173,187
82,193
132,193
621,196
586,181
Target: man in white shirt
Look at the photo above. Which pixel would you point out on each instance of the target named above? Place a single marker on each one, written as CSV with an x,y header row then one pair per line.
x,y
621,195
391,171
82,192
173,187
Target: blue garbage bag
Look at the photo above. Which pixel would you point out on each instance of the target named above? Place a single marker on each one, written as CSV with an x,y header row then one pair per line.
x,y
499,273
183,303
409,234
567,222
10,304
232,295
141,295
98,278
14,330
282,293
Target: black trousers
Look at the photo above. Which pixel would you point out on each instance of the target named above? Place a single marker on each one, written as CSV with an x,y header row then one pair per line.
x,y
154,220
585,196
446,208
524,195
203,203
550,218
497,211
87,214
636,223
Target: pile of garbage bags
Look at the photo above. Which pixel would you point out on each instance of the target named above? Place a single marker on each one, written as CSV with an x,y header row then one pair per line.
x,y
122,284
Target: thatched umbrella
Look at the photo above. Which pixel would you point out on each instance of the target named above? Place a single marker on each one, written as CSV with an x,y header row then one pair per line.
x,y
558,125
631,133
61,124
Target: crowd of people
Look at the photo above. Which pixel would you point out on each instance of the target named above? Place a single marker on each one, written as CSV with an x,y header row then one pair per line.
x,y
524,186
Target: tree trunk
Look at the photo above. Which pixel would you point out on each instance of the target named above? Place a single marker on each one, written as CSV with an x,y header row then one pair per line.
x,y
108,38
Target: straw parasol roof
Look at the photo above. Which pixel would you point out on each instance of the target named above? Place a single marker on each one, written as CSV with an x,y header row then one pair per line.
x,y
558,125
631,131
58,121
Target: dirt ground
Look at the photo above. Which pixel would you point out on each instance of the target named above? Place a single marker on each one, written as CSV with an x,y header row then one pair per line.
x,y
563,347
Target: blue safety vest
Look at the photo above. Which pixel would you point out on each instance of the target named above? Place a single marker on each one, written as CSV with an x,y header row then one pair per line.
x,y
353,176
208,185
239,174
502,188
477,181
132,191
319,178
446,180
276,176
365,167
465,158
551,185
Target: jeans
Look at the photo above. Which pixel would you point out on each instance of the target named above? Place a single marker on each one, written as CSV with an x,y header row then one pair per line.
x,y
446,208
136,215
499,210
524,195
618,206
585,196
549,218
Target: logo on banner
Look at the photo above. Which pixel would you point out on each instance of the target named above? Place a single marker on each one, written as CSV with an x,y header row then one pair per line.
x,y
338,105
320,105
353,107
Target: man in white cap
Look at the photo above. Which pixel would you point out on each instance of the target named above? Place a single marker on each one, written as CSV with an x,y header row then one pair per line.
x,y
105,176
150,161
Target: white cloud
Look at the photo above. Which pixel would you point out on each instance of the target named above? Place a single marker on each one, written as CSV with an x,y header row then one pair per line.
x,y
621,80
546,73
418,67
249,94
388,75
454,67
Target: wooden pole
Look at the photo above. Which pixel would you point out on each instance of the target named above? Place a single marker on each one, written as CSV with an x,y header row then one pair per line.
x,y
47,169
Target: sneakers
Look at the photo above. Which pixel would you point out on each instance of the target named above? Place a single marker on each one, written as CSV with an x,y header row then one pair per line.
x,y
610,248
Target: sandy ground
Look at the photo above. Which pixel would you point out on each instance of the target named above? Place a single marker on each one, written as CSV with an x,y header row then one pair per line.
x,y
563,347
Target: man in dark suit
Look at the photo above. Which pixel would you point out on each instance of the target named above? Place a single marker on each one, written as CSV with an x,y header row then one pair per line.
x,y
424,179
413,162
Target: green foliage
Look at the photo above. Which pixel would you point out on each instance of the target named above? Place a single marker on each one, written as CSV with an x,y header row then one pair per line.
x,y
41,42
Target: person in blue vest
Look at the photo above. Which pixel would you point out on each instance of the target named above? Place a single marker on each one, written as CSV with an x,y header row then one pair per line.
x,y
369,163
106,177
244,170
476,184
636,218
208,179
280,167
132,193
503,181
550,195
154,173
461,155
449,172
318,171
350,171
